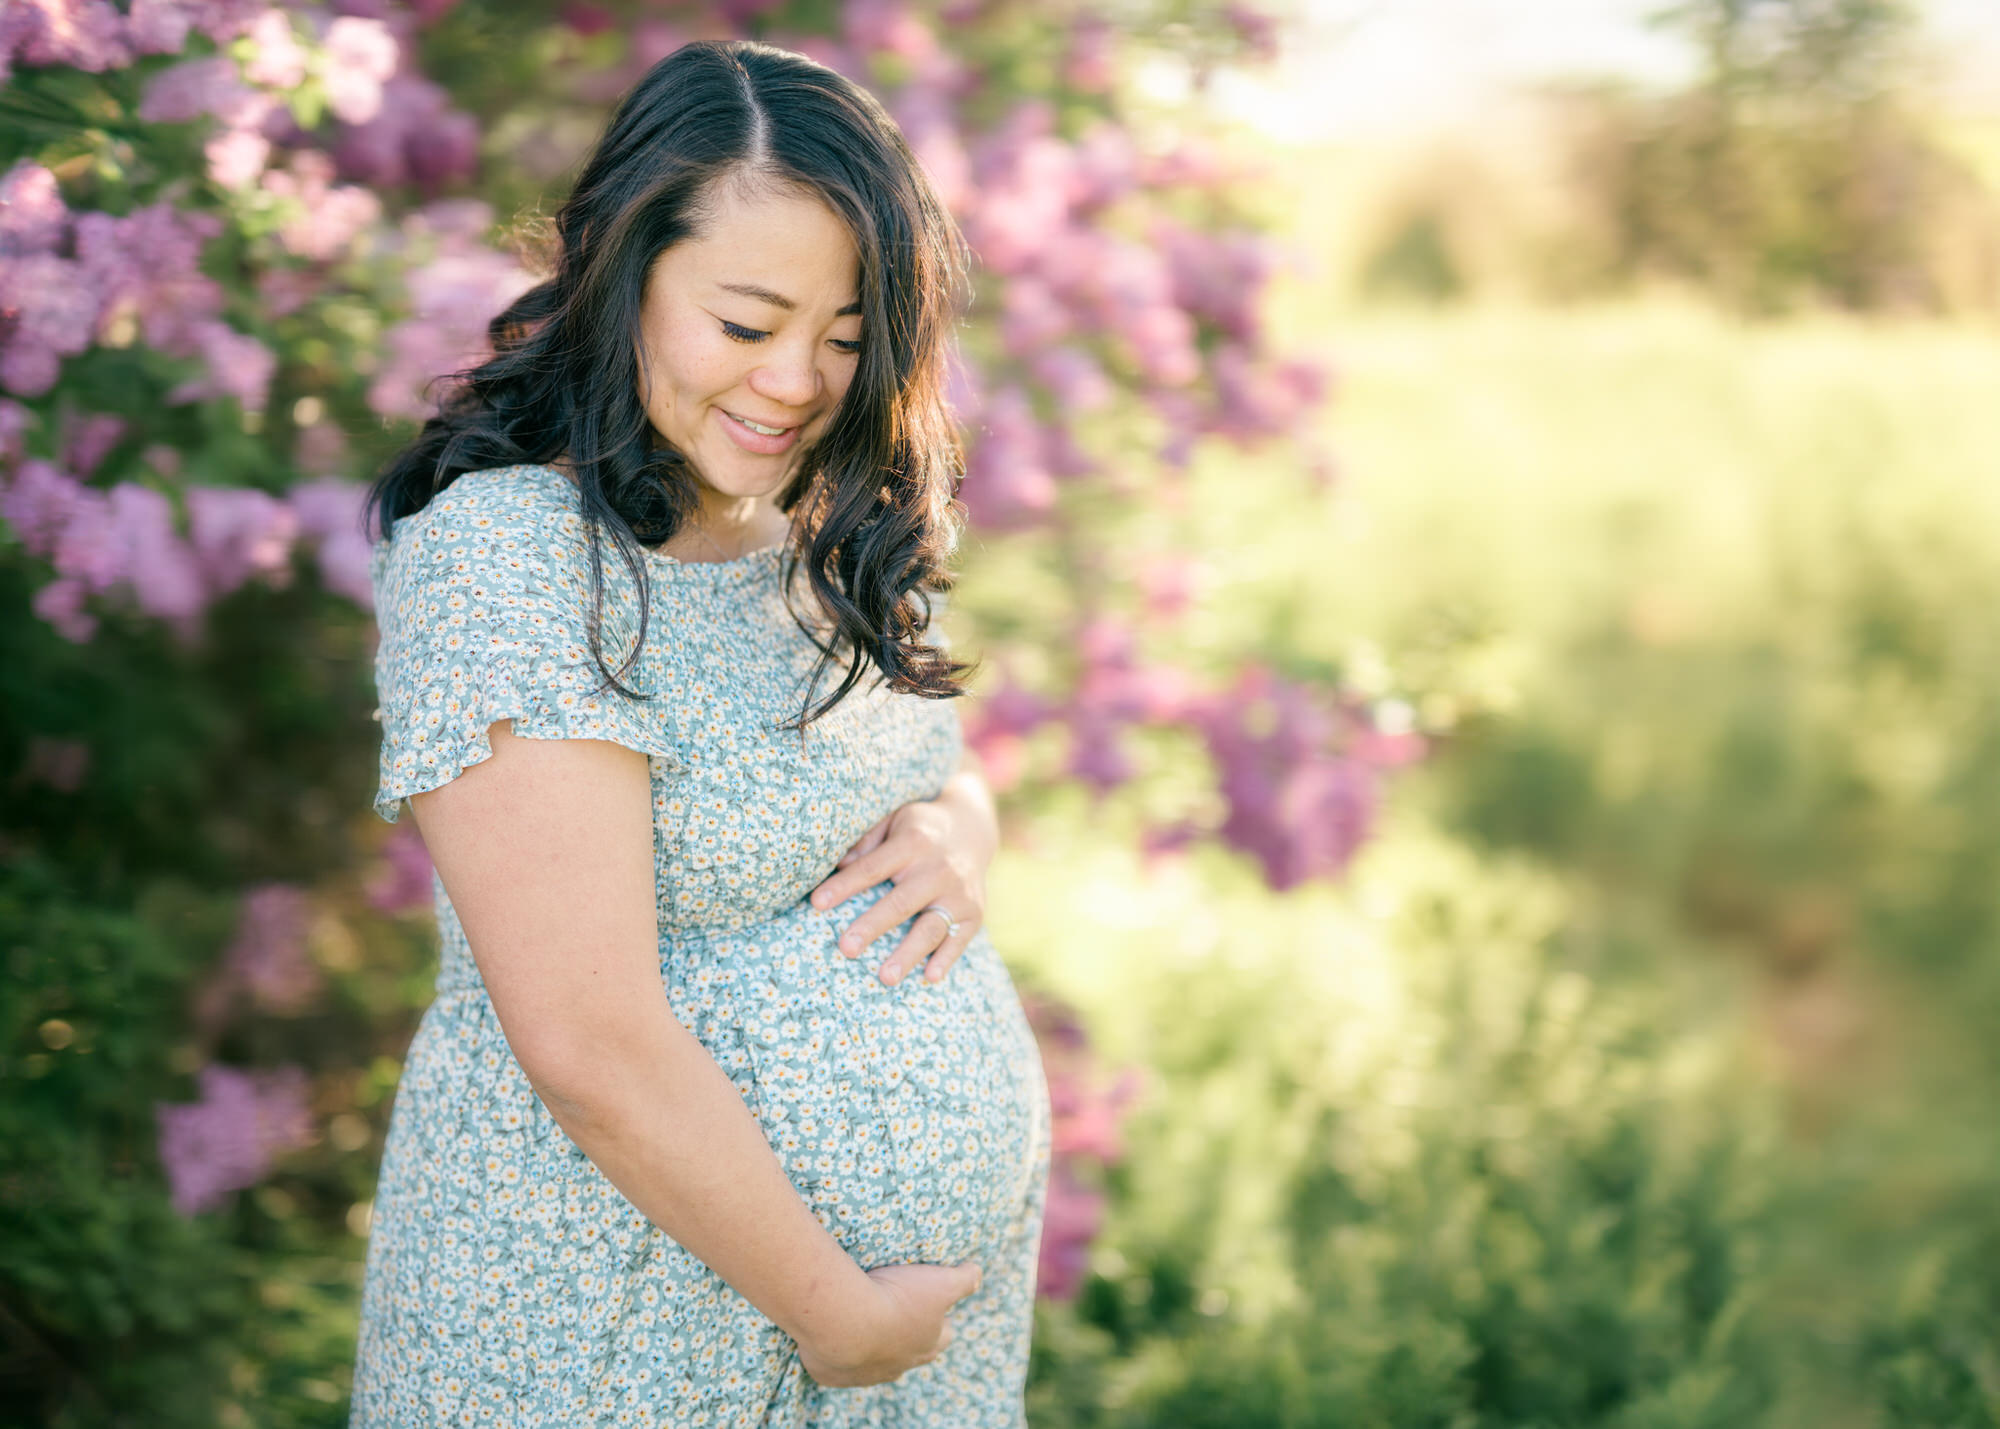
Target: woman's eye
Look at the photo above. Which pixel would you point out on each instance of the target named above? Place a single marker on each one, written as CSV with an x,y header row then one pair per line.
x,y
751,334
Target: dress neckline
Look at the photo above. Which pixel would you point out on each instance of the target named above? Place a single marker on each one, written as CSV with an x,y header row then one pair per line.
x,y
735,566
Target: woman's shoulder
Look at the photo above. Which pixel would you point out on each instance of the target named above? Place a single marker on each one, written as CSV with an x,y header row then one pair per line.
x,y
496,513
526,502
500,533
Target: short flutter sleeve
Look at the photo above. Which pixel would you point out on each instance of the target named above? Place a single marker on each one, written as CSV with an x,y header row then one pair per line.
x,y
483,601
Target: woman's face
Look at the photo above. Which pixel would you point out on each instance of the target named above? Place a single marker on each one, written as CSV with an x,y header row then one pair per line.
x,y
757,320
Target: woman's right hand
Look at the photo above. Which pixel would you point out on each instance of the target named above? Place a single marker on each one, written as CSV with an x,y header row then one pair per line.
x,y
905,1323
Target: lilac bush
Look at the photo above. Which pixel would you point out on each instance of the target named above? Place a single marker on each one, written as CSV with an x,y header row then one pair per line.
x,y
228,1139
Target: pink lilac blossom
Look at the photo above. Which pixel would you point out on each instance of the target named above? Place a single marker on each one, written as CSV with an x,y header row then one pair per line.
x,y
1300,776
1023,179
267,958
930,124
453,298
60,603
15,420
236,156
401,882
150,558
357,57
38,502
325,218
1107,167
415,136
1073,377
47,315
1217,276
283,291
322,449
888,26
1255,29
996,729
94,36
1071,1218
1031,316
239,532
33,217
88,438
229,1138
193,89
1084,1138
329,512
89,35
1091,62
277,58
1007,481
236,365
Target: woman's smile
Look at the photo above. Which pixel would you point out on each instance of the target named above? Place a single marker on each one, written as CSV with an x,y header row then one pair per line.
x,y
764,442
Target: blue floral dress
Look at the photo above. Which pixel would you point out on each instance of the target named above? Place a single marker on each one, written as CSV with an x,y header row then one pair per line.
x,y
508,1283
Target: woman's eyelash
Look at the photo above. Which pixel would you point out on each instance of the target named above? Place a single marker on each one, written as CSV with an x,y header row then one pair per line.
x,y
750,334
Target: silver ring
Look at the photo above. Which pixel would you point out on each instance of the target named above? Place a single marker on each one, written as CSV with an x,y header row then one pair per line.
x,y
951,923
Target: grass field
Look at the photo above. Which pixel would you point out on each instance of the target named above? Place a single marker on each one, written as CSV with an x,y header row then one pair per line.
x,y
1702,615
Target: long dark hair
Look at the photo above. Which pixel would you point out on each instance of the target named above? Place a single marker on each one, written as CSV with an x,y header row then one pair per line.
x,y
873,502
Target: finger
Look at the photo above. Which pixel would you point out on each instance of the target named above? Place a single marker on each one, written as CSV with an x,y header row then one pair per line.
x,y
867,841
865,870
949,952
893,907
926,935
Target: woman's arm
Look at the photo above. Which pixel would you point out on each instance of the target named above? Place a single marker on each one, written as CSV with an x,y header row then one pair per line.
x,y
546,851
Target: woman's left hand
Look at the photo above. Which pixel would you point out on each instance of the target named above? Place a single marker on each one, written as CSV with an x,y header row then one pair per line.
x,y
934,851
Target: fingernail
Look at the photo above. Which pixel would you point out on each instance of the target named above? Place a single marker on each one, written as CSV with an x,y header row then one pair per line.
x,y
889,974
934,975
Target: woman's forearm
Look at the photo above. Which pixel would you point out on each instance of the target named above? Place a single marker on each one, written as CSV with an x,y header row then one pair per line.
x,y
648,1104
967,791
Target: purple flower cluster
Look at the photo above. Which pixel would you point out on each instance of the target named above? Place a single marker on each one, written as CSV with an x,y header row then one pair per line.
x,y
1300,774
68,281
126,540
1299,771
401,882
1085,1114
95,35
267,958
229,1137
454,293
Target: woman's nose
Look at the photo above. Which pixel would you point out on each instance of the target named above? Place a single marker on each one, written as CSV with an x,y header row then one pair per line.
x,y
789,378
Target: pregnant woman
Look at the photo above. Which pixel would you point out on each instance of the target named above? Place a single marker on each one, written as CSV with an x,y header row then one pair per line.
x,y
726,1111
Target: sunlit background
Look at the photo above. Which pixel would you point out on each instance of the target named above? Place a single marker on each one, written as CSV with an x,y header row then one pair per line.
x,y
1485,536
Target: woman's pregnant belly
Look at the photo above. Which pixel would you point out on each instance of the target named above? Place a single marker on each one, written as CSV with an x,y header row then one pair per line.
x,y
906,1116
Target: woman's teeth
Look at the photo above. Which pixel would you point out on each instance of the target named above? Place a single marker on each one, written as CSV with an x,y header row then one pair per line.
x,y
758,426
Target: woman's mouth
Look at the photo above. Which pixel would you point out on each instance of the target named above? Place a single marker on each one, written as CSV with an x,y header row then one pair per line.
x,y
758,437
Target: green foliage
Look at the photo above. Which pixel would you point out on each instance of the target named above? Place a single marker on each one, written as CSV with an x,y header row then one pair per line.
x,y
1706,612
203,764
1405,1167
1806,165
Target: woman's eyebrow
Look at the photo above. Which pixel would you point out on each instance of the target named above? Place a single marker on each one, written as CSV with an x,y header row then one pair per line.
x,y
778,300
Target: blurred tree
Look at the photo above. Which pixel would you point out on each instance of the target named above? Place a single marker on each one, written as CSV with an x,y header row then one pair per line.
x,y
1797,168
